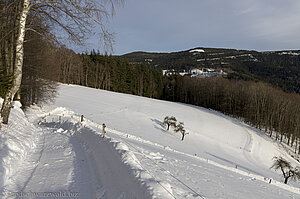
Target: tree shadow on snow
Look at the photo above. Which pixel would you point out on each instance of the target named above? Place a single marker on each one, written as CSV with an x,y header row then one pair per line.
x,y
159,125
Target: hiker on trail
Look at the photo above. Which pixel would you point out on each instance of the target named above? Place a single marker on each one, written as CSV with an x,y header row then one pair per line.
x,y
103,130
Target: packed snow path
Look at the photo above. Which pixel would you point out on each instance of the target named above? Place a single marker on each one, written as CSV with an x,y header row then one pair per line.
x,y
74,161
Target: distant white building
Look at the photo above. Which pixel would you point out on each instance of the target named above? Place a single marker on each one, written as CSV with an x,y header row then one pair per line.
x,y
197,51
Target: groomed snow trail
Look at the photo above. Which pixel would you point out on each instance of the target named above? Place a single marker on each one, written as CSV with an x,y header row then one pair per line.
x,y
109,177
72,161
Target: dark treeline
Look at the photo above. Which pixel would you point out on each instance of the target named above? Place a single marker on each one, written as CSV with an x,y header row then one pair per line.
x,y
39,68
258,104
46,64
39,62
110,73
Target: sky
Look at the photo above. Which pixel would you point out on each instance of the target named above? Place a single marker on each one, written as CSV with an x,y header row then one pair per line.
x,y
175,25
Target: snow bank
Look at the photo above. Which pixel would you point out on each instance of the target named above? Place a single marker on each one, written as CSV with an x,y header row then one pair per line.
x,y
16,140
159,189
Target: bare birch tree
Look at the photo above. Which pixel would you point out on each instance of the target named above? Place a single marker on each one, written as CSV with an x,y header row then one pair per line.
x,y
74,18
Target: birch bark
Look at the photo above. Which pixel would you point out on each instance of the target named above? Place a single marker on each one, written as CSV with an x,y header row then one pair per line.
x,y
17,77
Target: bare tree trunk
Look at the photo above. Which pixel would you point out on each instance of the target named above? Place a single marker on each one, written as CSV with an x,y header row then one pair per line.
x,y
296,145
286,180
18,95
17,77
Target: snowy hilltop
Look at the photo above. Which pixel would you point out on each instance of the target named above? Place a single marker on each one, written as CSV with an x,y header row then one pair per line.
x,y
57,150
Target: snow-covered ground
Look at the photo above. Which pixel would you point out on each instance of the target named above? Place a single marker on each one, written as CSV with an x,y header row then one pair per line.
x,y
220,157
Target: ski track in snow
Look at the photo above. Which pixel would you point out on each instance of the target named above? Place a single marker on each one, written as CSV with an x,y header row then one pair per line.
x,y
42,147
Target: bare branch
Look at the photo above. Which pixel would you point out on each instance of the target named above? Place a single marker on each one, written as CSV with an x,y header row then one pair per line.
x,y
30,29
42,2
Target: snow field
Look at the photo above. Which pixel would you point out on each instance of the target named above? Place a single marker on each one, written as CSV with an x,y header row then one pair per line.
x,y
220,158
127,138
149,166
213,136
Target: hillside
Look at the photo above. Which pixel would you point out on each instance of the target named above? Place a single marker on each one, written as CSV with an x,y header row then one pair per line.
x,y
280,68
220,157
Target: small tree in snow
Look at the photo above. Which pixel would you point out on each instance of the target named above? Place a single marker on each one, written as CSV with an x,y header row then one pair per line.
x,y
180,128
170,121
286,168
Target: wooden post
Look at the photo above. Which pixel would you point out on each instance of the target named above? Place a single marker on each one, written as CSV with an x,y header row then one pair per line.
x,y
103,130
81,119
59,118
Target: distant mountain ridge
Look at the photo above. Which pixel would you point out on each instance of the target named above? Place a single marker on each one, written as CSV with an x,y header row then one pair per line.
x,y
279,68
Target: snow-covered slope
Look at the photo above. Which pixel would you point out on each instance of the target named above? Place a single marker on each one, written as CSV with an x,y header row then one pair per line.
x,y
212,136
220,157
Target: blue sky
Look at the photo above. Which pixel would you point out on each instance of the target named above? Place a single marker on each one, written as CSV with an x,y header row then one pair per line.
x,y
174,25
